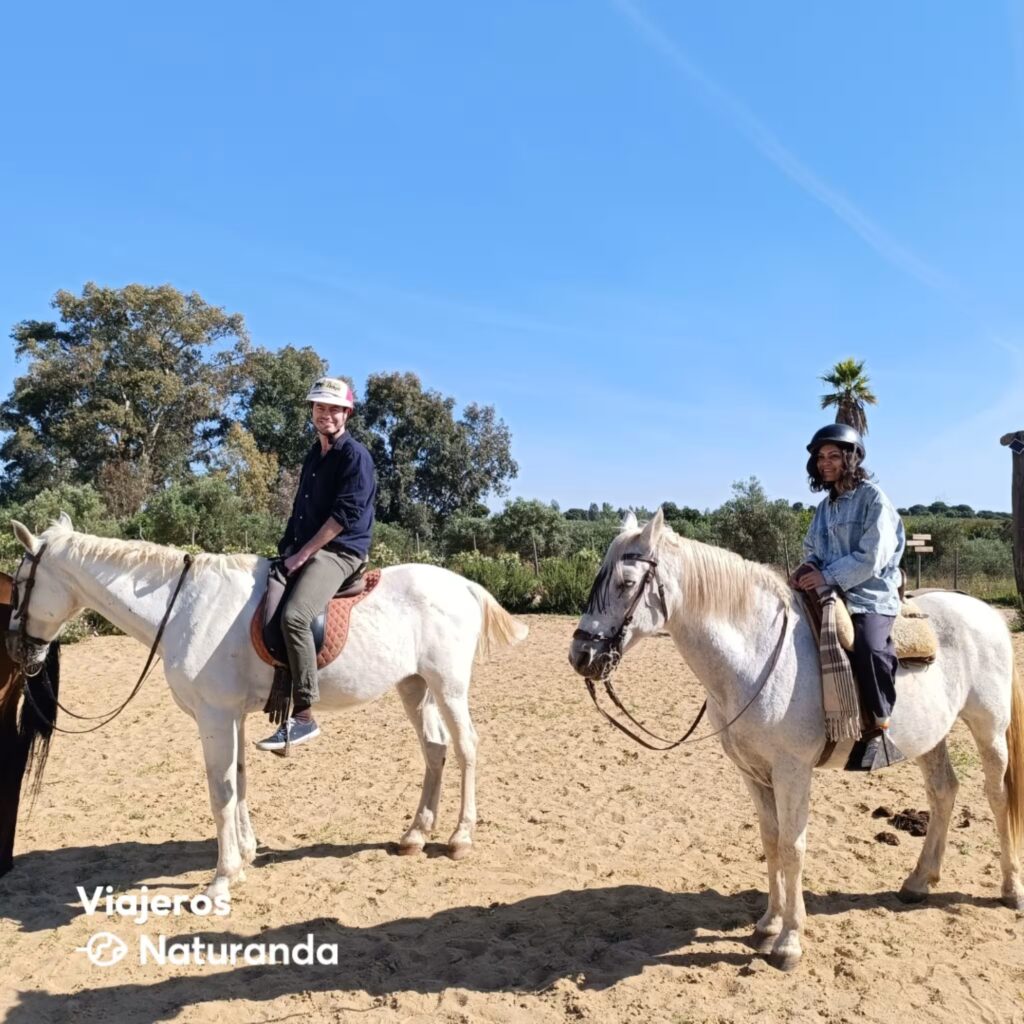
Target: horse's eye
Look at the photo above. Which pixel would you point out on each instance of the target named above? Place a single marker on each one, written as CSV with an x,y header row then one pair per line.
x,y
625,586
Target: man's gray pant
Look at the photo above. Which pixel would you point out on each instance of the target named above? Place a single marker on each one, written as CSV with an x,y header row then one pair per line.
x,y
319,580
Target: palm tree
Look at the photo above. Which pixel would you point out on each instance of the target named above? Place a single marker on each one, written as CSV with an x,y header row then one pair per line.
x,y
851,392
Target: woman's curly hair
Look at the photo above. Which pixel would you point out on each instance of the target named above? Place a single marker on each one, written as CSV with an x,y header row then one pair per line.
x,y
852,475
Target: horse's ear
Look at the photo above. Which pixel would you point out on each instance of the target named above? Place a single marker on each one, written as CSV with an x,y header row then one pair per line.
x,y
653,530
628,522
64,520
24,536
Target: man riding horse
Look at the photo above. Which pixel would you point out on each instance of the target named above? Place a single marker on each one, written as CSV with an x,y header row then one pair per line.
x,y
326,542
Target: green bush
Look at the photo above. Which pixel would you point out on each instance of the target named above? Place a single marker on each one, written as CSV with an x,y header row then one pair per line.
x,y
587,535
508,580
395,539
566,582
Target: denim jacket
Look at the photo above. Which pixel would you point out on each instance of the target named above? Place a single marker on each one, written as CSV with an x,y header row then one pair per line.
x,y
857,540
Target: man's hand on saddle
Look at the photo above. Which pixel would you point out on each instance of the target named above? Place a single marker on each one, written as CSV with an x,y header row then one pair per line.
x,y
807,577
295,562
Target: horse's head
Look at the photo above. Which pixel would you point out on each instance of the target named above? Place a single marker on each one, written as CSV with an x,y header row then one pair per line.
x,y
626,602
42,602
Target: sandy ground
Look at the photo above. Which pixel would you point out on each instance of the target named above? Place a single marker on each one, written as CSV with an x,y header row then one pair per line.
x,y
607,883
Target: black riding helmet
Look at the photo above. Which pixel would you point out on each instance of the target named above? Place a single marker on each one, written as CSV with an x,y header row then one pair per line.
x,y
841,434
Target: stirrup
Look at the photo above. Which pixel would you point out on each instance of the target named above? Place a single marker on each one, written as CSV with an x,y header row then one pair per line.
x,y
873,752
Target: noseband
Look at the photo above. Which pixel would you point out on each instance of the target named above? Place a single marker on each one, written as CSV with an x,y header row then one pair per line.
x,y
615,639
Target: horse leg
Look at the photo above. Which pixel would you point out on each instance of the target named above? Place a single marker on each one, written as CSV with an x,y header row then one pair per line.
x,y
994,752
246,836
941,785
423,713
218,731
455,709
792,787
770,924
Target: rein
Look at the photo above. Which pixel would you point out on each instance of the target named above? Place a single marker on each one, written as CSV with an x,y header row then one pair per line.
x,y
610,690
615,639
23,636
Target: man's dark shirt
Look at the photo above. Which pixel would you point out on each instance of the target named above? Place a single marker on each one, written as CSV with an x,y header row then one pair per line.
x,y
339,484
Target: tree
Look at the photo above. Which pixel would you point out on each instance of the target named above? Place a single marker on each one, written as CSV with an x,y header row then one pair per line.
x,y
430,465
466,532
273,400
523,523
81,502
251,473
134,379
759,529
205,511
850,393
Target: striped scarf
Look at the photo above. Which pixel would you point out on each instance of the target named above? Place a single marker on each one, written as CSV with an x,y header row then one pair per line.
x,y
838,687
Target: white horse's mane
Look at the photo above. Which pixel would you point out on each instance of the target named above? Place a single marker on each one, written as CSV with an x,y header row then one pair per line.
x,y
132,553
714,582
719,583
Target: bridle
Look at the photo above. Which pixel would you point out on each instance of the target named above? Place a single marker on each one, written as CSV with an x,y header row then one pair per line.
x,y
27,642
616,638
614,641
20,606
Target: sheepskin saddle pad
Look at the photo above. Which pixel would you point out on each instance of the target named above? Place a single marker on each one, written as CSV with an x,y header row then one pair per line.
x,y
912,633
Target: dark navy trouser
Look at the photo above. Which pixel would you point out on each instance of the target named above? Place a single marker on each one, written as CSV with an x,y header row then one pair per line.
x,y
874,662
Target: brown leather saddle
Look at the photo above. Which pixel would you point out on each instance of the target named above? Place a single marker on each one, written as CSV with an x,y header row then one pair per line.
x,y
330,627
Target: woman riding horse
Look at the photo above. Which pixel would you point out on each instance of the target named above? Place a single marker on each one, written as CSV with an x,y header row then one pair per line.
x,y
854,543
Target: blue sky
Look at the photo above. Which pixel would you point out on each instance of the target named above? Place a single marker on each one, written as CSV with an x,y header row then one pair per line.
x,y
640,230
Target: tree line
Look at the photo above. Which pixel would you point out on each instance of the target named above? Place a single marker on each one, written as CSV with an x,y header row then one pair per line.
x,y
147,413
188,433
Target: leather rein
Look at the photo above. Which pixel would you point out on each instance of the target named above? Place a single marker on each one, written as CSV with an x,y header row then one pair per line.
x,y
26,642
615,640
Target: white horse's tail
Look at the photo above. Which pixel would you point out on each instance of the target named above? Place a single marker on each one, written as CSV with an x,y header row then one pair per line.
x,y
1015,762
498,629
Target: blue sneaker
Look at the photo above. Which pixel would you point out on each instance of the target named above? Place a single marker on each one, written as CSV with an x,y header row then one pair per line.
x,y
296,732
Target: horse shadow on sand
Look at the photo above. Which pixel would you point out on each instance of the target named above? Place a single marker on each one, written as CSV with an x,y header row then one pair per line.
x,y
40,892
594,938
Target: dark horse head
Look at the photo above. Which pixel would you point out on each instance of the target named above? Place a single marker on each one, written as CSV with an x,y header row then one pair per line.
x,y
24,737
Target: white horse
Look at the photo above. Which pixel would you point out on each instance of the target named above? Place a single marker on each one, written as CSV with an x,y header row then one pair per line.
x,y
732,620
419,631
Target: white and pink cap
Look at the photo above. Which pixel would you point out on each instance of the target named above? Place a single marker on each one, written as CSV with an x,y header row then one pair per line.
x,y
332,391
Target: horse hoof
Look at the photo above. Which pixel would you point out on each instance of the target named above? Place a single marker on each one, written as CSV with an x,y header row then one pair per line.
x,y
784,961
409,849
911,896
459,850
763,942
1013,900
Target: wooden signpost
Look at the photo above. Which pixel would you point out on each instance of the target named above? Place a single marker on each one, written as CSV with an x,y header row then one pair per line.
x,y
918,544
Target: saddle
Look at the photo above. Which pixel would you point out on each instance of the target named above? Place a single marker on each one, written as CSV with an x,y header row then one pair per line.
x,y
330,627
